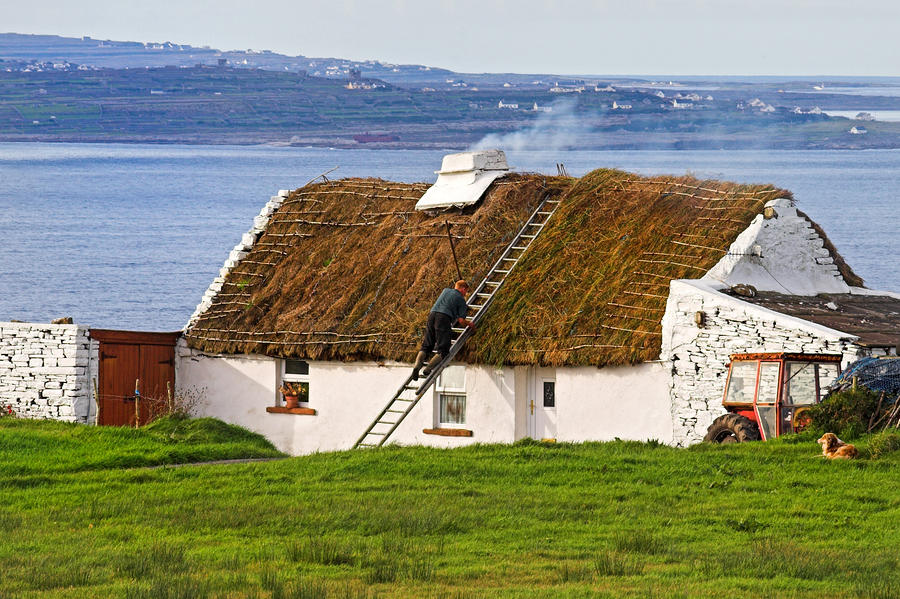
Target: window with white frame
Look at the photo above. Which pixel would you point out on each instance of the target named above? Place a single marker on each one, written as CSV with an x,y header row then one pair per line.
x,y
451,390
296,372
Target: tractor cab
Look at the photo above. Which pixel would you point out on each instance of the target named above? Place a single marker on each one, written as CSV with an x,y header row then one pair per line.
x,y
766,394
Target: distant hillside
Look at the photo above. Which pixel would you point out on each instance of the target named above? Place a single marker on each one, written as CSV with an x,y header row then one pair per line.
x,y
87,51
55,88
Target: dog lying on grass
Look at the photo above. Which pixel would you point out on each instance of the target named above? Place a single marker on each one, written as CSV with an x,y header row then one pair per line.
x,y
835,449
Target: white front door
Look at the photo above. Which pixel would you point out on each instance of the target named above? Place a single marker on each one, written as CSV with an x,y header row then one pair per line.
x,y
542,404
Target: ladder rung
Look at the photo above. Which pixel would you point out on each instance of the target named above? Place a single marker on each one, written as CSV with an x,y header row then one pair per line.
x,y
544,213
551,201
519,247
528,236
457,329
492,282
397,411
502,271
535,225
403,399
476,306
410,386
483,294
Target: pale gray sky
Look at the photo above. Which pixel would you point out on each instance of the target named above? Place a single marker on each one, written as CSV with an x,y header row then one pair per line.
x,y
686,37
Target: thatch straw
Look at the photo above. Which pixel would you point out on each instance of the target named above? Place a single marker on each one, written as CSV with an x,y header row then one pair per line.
x,y
368,268
591,290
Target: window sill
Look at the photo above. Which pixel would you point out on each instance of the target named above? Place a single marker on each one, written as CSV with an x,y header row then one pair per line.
x,y
448,432
297,411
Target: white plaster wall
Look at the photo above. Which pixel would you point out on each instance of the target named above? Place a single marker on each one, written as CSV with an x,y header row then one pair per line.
x,y
236,389
347,397
601,404
699,355
46,370
783,254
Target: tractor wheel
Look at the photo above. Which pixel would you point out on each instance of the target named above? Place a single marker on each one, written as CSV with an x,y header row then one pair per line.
x,y
732,428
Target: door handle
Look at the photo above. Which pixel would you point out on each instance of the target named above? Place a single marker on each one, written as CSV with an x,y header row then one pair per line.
x,y
532,406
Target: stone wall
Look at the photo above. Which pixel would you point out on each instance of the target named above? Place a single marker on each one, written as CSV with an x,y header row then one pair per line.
x,y
780,251
700,354
46,371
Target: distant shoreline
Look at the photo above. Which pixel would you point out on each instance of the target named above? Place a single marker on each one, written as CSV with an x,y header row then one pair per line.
x,y
344,144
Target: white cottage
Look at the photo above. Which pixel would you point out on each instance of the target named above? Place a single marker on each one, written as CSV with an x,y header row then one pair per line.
x,y
618,321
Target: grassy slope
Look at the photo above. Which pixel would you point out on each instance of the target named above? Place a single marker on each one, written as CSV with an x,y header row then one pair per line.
x,y
612,519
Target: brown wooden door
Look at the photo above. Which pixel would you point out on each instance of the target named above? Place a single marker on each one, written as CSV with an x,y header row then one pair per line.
x,y
130,360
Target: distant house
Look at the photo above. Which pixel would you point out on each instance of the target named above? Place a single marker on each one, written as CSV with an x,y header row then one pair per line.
x,y
617,106
618,321
511,106
537,108
858,130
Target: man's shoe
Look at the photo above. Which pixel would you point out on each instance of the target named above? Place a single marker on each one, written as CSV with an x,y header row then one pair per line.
x,y
420,360
432,364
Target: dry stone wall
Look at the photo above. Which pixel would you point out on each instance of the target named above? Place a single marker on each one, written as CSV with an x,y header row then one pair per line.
x,y
46,371
700,354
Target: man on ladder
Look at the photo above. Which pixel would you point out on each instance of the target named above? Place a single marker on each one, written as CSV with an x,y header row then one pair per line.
x,y
449,308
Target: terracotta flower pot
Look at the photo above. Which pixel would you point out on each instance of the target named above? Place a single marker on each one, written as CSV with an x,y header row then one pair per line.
x,y
291,401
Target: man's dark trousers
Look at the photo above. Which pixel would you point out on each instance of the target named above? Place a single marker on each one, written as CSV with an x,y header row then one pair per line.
x,y
437,333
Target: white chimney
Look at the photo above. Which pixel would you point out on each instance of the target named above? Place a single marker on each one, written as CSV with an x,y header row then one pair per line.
x,y
463,179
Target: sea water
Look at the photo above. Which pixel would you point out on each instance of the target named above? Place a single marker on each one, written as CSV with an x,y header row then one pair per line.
x,y
129,236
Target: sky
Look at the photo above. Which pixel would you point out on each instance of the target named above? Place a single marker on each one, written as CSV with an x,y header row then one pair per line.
x,y
638,37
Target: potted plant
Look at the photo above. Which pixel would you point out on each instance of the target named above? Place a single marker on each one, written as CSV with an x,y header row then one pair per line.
x,y
291,393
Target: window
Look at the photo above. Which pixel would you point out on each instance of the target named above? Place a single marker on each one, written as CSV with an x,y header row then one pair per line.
x,y
742,383
827,375
451,389
549,394
769,377
297,372
801,384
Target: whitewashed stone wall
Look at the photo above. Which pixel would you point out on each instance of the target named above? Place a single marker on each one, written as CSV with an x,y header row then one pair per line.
x,y
700,355
46,370
239,252
780,253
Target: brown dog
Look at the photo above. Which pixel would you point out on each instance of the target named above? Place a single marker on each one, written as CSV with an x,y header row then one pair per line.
x,y
835,449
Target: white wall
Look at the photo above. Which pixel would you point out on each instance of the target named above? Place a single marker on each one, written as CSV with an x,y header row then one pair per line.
x,y
592,403
782,253
700,355
600,404
347,397
46,370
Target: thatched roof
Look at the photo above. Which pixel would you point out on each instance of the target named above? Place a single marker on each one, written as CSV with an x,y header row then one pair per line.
x,y
347,270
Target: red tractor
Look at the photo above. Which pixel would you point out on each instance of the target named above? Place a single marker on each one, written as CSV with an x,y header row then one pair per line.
x,y
767,394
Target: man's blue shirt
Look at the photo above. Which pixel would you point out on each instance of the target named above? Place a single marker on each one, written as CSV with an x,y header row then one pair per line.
x,y
452,303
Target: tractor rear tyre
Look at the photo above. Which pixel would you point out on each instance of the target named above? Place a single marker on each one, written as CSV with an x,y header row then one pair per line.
x,y
732,428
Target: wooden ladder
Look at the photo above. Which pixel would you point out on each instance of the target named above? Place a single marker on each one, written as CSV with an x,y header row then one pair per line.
x,y
410,392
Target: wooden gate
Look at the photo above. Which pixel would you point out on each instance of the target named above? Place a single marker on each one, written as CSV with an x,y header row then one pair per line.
x,y
133,361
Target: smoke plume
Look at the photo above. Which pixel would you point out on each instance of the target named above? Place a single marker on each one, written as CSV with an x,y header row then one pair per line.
x,y
555,130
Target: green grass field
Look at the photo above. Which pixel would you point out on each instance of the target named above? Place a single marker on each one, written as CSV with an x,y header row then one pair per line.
x,y
621,519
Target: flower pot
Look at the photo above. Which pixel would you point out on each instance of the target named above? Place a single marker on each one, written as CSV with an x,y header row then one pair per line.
x,y
291,401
